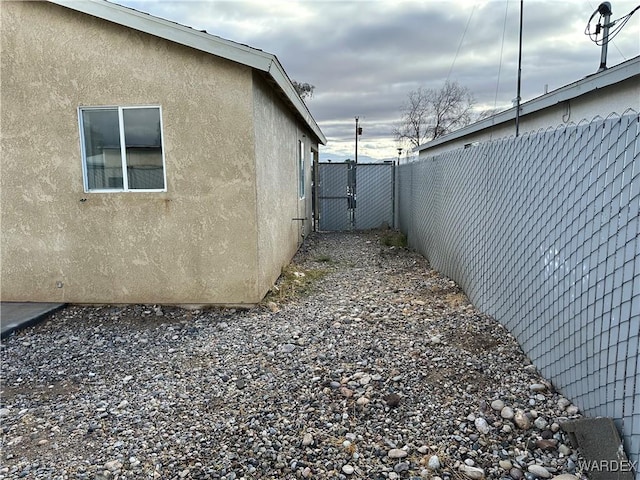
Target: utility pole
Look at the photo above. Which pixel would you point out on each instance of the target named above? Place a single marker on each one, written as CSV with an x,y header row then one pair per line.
x,y
519,73
605,10
351,187
358,132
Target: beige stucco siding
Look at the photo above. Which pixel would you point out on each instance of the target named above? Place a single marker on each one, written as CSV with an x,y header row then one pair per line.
x,y
277,134
194,243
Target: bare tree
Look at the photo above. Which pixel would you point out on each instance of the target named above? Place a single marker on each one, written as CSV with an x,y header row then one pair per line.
x,y
452,107
304,89
431,113
486,113
415,118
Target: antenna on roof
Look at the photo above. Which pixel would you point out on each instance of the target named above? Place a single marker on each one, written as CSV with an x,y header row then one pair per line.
x,y
518,98
604,26
605,11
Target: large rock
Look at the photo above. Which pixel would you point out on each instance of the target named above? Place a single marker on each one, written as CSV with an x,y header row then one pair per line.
x,y
481,425
521,419
539,471
472,472
397,453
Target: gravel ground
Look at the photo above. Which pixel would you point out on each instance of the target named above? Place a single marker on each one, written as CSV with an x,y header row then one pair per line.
x,y
383,371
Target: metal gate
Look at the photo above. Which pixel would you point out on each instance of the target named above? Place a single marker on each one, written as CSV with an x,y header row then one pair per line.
x,y
355,196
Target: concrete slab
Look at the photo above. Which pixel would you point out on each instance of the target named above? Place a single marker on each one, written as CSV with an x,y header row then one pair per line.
x,y
599,442
17,315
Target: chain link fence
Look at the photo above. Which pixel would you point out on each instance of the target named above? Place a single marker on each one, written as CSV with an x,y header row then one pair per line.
x,y
355,196
541,231
334,197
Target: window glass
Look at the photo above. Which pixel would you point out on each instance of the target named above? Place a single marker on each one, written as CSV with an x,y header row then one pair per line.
x,y
105,157
102,149
143,148
301,168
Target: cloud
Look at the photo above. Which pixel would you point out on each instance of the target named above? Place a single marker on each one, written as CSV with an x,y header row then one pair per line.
x,y
365,56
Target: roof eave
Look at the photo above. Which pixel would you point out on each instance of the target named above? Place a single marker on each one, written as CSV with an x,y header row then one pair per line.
x,y
279,75
576,89
220,47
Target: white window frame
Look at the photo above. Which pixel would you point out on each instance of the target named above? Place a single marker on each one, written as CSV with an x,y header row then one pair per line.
x,y
123,150
301,171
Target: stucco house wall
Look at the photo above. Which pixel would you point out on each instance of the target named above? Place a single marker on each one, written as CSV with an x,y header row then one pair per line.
x,y
279,204
197,242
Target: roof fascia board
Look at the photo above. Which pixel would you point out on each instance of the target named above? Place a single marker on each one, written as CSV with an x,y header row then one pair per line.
x,y
202,41
588,84
278,73
168,30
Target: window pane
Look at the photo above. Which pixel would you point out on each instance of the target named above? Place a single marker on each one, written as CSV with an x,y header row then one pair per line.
x,y
144,148
301,178
102,149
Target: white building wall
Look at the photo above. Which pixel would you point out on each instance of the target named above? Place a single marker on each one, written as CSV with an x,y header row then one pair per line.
x,y
591,97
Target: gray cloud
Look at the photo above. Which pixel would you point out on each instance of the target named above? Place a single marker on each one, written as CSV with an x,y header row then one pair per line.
x,y
365,56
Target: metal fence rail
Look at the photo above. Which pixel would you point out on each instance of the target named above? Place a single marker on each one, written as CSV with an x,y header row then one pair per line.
x,y
542,232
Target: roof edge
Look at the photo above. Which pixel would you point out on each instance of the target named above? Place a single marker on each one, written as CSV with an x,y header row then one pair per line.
x,y
595,81
278,73
190,37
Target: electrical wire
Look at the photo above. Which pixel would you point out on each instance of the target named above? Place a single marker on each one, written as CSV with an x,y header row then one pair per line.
x,y
461,40
593,36
613,43
504,29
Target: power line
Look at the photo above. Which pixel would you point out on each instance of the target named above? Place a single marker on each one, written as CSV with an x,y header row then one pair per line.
x,y
504,29
608,29
461,40
518,97
614,43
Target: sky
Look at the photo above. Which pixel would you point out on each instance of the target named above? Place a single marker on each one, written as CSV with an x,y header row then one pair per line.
x,y
365,56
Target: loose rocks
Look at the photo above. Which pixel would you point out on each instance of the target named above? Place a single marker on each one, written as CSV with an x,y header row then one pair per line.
x,y
507,413
397,453
434,463
472,472
385,370
482,425
539,471
307,440
348,469
522,420
392,400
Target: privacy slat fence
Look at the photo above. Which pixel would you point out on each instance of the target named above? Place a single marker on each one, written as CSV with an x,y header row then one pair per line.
x,y
355,196
542,232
